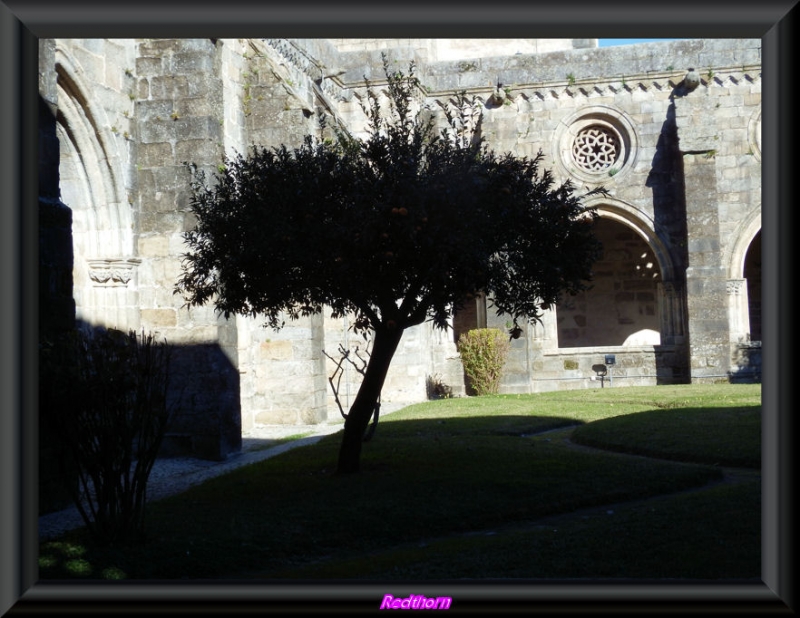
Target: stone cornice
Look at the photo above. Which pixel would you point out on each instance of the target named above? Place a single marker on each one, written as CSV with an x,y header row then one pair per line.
x,y
611,86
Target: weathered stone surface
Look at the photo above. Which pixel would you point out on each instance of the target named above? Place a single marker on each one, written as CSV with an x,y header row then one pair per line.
x,y
159,318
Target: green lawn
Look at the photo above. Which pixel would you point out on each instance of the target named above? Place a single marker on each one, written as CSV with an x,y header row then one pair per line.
x,y
537,486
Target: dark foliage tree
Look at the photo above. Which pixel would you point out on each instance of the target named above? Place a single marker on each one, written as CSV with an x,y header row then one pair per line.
x,y
397,229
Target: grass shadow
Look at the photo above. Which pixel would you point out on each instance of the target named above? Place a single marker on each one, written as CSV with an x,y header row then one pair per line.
x,y
723,436
422,479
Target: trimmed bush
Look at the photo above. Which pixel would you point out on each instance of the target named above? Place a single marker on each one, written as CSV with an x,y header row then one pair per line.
x,y
483,353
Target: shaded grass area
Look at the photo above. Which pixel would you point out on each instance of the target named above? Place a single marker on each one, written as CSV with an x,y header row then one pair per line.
x,y
642,540
720,436
461,488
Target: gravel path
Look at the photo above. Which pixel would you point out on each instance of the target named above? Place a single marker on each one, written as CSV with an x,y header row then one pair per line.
x,y
173,475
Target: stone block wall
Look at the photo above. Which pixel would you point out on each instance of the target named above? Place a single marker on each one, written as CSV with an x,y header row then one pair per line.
x,y
434,50
178,101
624,295
268,103
746,362
282,372
406,381
424,353
56,303
719,131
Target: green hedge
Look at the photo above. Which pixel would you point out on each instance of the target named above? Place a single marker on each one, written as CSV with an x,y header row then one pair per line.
x,y
483,353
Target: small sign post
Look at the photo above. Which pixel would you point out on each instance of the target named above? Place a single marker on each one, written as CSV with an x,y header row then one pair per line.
x,y
601,371
610,361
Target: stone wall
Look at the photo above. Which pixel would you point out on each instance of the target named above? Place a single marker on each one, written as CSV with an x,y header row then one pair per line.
x,y
178,119
425,354
269,102
722,181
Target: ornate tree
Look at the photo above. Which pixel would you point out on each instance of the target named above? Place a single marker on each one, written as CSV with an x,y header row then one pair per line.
x,y
397,229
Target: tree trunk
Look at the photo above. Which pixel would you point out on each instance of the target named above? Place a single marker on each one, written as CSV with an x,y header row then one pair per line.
x,y
383,349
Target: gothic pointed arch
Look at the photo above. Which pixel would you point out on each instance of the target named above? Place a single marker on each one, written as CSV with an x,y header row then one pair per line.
x,y
744,235
641,223
633,300
744,280
104,273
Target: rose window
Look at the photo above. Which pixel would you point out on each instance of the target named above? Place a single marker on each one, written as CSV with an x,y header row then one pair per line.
x,y
595,149
595,144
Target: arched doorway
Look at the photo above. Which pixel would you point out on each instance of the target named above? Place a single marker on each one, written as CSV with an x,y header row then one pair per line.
x,y
752,274
622,306
104,273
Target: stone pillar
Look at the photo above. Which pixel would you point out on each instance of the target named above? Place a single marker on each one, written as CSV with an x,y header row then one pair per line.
x,y
56,303
738,314
283,374
179,117
706,280
671,312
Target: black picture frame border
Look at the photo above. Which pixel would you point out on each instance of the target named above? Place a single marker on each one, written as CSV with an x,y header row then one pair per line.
x,y
23,23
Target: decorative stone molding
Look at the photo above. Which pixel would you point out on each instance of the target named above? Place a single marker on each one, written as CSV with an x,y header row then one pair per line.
x,y
734,287
302,67
112,272
661,82
596,149
498,97
754,134
692,80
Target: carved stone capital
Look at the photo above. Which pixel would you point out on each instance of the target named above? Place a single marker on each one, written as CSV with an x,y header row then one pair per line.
x,y
112,272
734,287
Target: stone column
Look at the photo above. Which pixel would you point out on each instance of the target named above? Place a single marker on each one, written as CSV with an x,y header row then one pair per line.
x,y
179,115
57,306
56,303
706,281
671,311
738,314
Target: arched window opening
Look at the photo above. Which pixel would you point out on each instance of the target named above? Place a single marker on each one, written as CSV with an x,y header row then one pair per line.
x,y
752,273
621,307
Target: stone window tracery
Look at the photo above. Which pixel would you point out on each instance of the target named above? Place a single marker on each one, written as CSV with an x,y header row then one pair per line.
x,y
596,149
596,144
